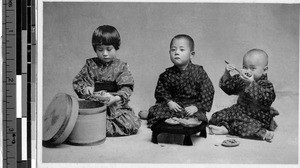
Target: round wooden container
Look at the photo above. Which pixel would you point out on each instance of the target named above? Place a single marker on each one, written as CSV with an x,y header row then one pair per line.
x,y
59,119
90,127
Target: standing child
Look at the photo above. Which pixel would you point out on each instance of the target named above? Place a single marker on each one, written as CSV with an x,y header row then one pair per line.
x,y
106,72
252,115
183,90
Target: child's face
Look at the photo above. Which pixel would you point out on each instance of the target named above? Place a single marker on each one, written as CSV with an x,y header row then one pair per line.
x,y
106,53
256,65
180,52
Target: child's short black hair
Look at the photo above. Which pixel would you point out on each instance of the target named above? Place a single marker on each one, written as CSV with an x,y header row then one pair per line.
x,y
106,35
187,37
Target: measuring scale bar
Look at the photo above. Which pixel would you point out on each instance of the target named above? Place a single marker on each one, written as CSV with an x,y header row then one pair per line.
x,y
9,84
21,121
18,61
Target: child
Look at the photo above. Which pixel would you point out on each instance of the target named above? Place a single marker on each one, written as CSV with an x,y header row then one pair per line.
x,y
183,90
106,72
252,115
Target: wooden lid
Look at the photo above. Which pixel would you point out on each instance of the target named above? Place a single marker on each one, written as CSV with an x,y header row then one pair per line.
x,y
59,118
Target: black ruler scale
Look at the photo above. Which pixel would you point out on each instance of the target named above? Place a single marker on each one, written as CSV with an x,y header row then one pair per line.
x,y
18,23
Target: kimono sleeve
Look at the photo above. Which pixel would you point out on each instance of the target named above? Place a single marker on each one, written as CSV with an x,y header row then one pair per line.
x,y
125,83
206,93
231,85
162,90
82,80
261,92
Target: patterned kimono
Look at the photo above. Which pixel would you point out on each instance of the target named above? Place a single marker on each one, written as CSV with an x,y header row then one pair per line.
x,y
112,77
252,115
189,87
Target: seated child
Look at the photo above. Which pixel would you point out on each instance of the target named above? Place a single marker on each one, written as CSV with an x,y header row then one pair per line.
x,y
251,116
106,72
183,90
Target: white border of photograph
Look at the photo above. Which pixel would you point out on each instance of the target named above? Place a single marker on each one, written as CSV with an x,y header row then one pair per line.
x,y
37,162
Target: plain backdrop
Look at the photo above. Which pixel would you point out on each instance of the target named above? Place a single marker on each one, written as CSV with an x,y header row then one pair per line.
x,y
220,31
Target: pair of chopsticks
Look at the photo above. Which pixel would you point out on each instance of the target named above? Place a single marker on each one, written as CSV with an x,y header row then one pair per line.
x,y
234,67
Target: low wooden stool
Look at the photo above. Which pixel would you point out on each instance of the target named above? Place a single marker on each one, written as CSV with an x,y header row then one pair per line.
x,y
162,127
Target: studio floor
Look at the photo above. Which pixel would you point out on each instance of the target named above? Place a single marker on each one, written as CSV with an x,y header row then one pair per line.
x,y
139,149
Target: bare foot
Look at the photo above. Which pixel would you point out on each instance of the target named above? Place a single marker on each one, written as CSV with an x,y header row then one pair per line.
x,y
217,130
269,136
143,114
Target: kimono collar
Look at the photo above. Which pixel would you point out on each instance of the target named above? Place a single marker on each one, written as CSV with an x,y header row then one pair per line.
x,y
99,62
189,66
263,77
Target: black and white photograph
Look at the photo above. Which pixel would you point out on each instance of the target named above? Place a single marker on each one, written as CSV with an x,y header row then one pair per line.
x,y
167,83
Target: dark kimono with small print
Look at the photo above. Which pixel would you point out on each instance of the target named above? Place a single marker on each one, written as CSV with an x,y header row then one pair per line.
x,y
112,77
191,86
252,115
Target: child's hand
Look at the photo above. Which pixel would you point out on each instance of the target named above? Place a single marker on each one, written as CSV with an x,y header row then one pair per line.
x,y
247,76
113,99
230,67
89,90
190,110
174,106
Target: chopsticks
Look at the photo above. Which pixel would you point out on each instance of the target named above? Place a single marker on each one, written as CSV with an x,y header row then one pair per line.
x,y
234,67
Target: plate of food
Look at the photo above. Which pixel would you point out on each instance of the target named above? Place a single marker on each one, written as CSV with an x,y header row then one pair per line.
x,y
172,121
230,143
189,122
